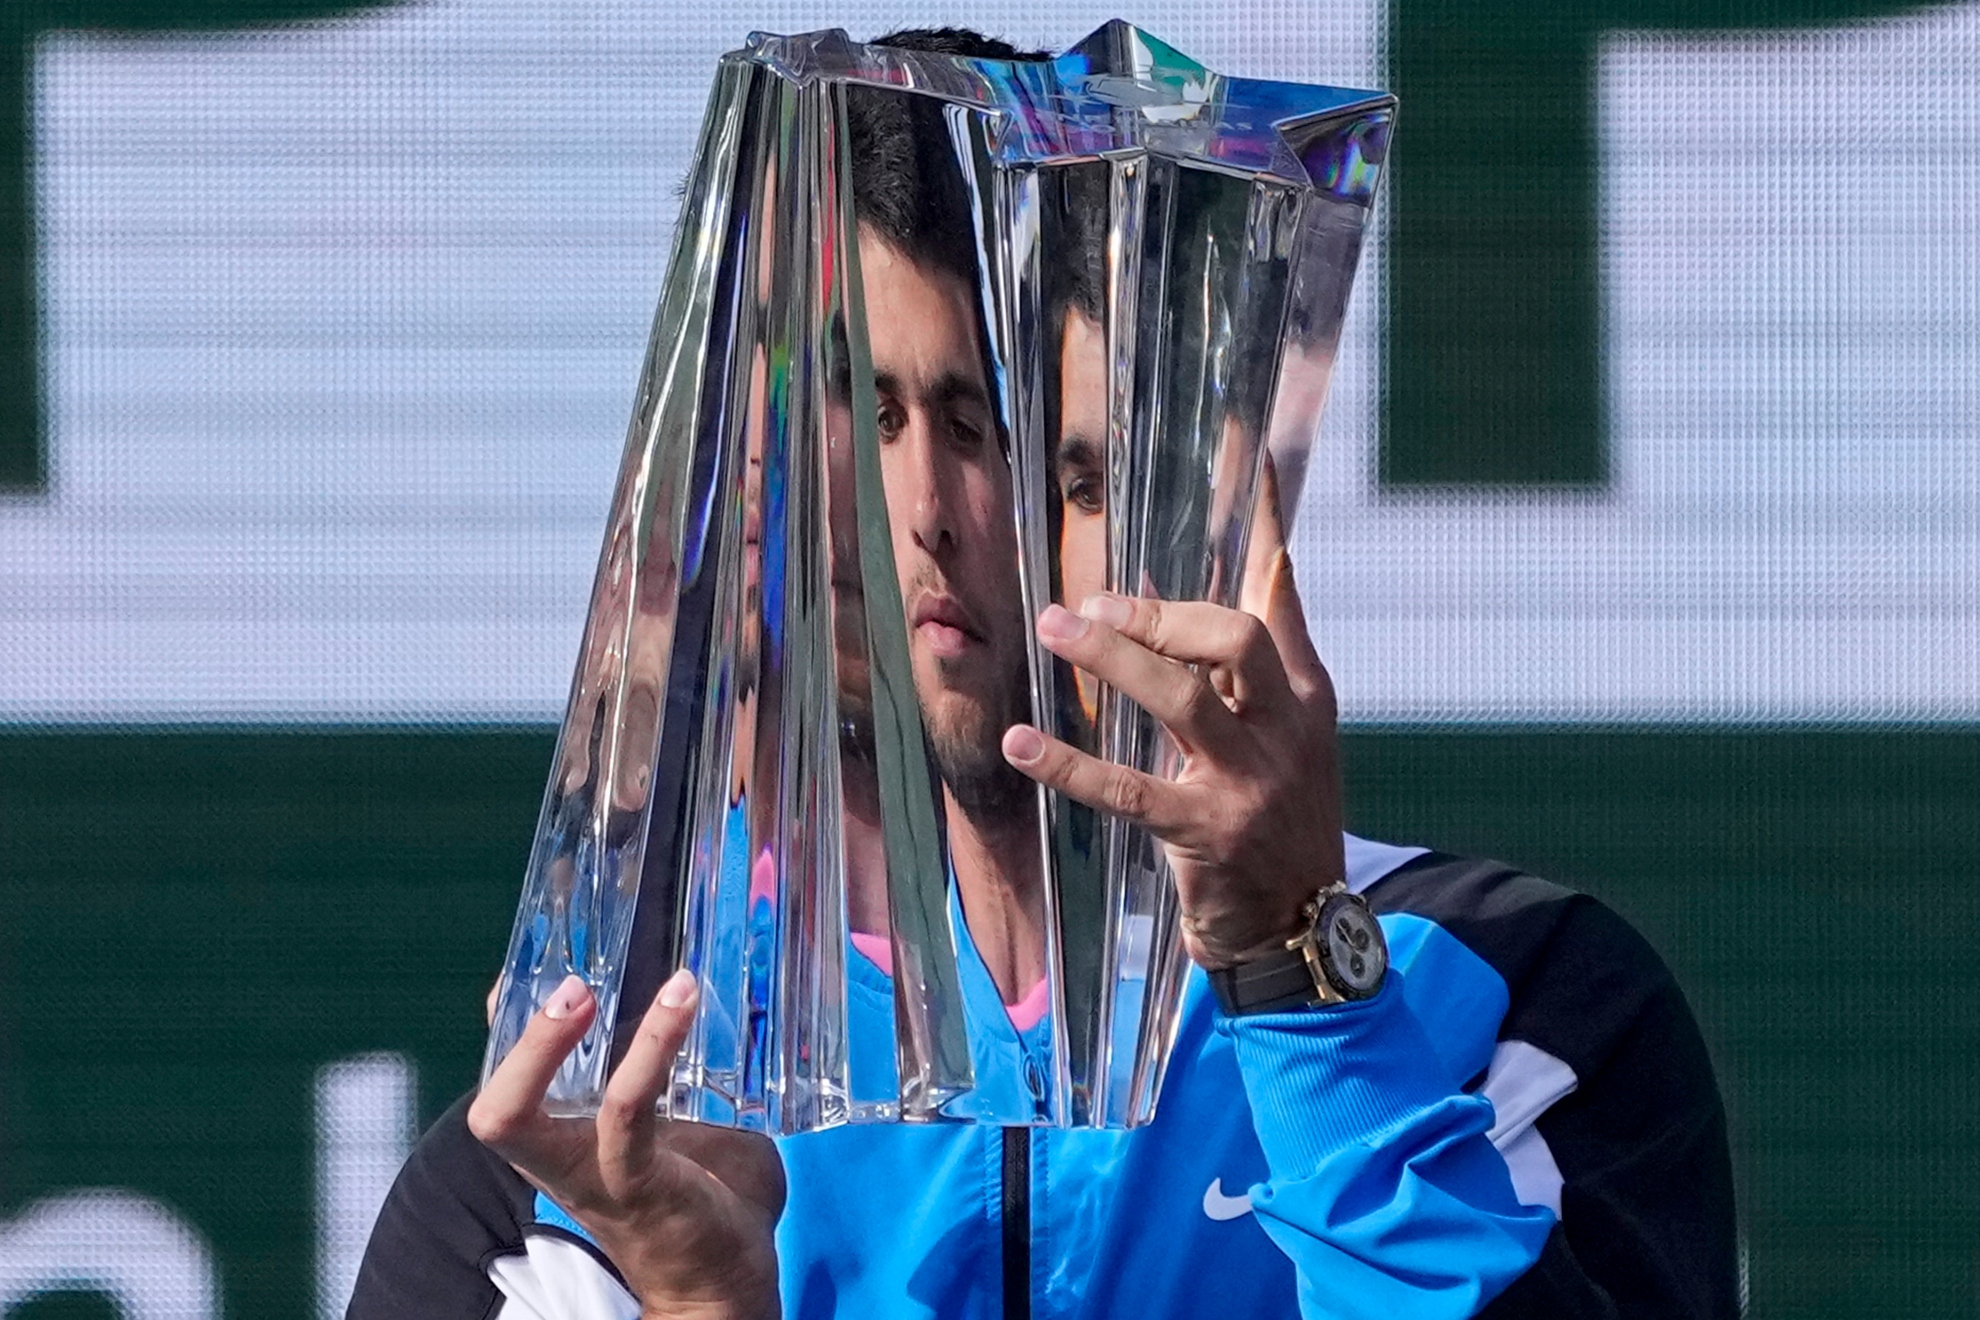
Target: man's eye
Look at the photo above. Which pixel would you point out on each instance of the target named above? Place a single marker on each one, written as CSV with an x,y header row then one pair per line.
x,y
892,420
966,434
1084,493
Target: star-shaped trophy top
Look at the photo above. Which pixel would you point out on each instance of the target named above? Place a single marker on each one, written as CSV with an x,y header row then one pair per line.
x,y
1122,91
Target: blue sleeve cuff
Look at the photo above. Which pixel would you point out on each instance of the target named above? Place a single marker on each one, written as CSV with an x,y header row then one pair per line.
x,y
1320,1079
1384,1188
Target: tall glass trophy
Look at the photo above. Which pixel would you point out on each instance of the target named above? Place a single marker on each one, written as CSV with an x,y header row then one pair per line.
x,y
943,341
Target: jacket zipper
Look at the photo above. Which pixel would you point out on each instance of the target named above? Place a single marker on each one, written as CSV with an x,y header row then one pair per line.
x,y
1017,1223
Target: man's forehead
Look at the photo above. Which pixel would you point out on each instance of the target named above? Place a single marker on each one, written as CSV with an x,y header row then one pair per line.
x,y
885,262
1082,344
921,322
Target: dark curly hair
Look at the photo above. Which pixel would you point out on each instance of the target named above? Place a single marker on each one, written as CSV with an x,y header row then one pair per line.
x,y
907,185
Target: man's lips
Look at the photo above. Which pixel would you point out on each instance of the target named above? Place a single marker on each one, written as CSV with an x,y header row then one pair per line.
x,y
943,625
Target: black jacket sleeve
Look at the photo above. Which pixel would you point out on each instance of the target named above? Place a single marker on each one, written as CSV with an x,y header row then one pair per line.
x,y
456,1205
1647,1224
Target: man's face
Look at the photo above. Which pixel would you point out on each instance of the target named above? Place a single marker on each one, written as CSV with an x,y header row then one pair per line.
x,y
848,586
949,503
1079,473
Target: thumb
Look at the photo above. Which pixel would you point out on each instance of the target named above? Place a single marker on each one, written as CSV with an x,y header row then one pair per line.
x,y
1285,619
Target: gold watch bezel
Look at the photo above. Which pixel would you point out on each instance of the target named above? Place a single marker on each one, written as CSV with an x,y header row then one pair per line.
x,y
1307,945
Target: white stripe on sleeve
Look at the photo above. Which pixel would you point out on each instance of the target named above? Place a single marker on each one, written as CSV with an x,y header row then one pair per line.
x,y
1522,1082
556,1279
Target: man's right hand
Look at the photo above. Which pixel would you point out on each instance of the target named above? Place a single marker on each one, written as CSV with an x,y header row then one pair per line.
x,y
686,1211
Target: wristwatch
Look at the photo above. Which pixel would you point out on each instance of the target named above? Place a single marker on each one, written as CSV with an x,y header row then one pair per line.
x,y
1340,957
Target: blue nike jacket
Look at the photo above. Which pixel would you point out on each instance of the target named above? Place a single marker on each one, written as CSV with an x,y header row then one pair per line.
x,y
1522,1122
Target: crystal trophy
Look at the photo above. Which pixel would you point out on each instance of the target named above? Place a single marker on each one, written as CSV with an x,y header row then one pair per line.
x,y
942,341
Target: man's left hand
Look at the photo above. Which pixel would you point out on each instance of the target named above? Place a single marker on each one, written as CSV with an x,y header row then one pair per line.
x,y
1252,822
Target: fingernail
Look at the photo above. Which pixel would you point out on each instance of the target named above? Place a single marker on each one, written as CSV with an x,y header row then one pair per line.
x,y
1059,624
1110,610
679,990
568,999
1022,743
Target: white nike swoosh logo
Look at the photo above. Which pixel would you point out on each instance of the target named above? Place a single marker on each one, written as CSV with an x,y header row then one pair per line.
x,y
1221,1207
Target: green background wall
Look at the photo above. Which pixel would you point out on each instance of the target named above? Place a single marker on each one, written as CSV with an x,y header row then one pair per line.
x,y
192,924
196,922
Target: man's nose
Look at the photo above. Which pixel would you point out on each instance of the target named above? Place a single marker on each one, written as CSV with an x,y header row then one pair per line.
x,y
928,506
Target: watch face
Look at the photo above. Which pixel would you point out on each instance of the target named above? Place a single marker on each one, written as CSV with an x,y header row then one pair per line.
x,y
1357,955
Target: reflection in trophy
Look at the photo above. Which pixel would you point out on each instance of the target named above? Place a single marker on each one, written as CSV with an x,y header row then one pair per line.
x,y
943,341
945,469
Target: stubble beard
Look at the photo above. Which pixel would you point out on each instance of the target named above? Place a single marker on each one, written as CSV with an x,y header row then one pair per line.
x,y
968,747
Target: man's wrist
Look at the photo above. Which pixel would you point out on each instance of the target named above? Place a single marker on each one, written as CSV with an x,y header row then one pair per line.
x,y
1215,955
1338,956
746,1292
1276,943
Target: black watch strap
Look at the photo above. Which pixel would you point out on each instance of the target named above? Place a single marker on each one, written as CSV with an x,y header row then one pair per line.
x,y
1272,984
